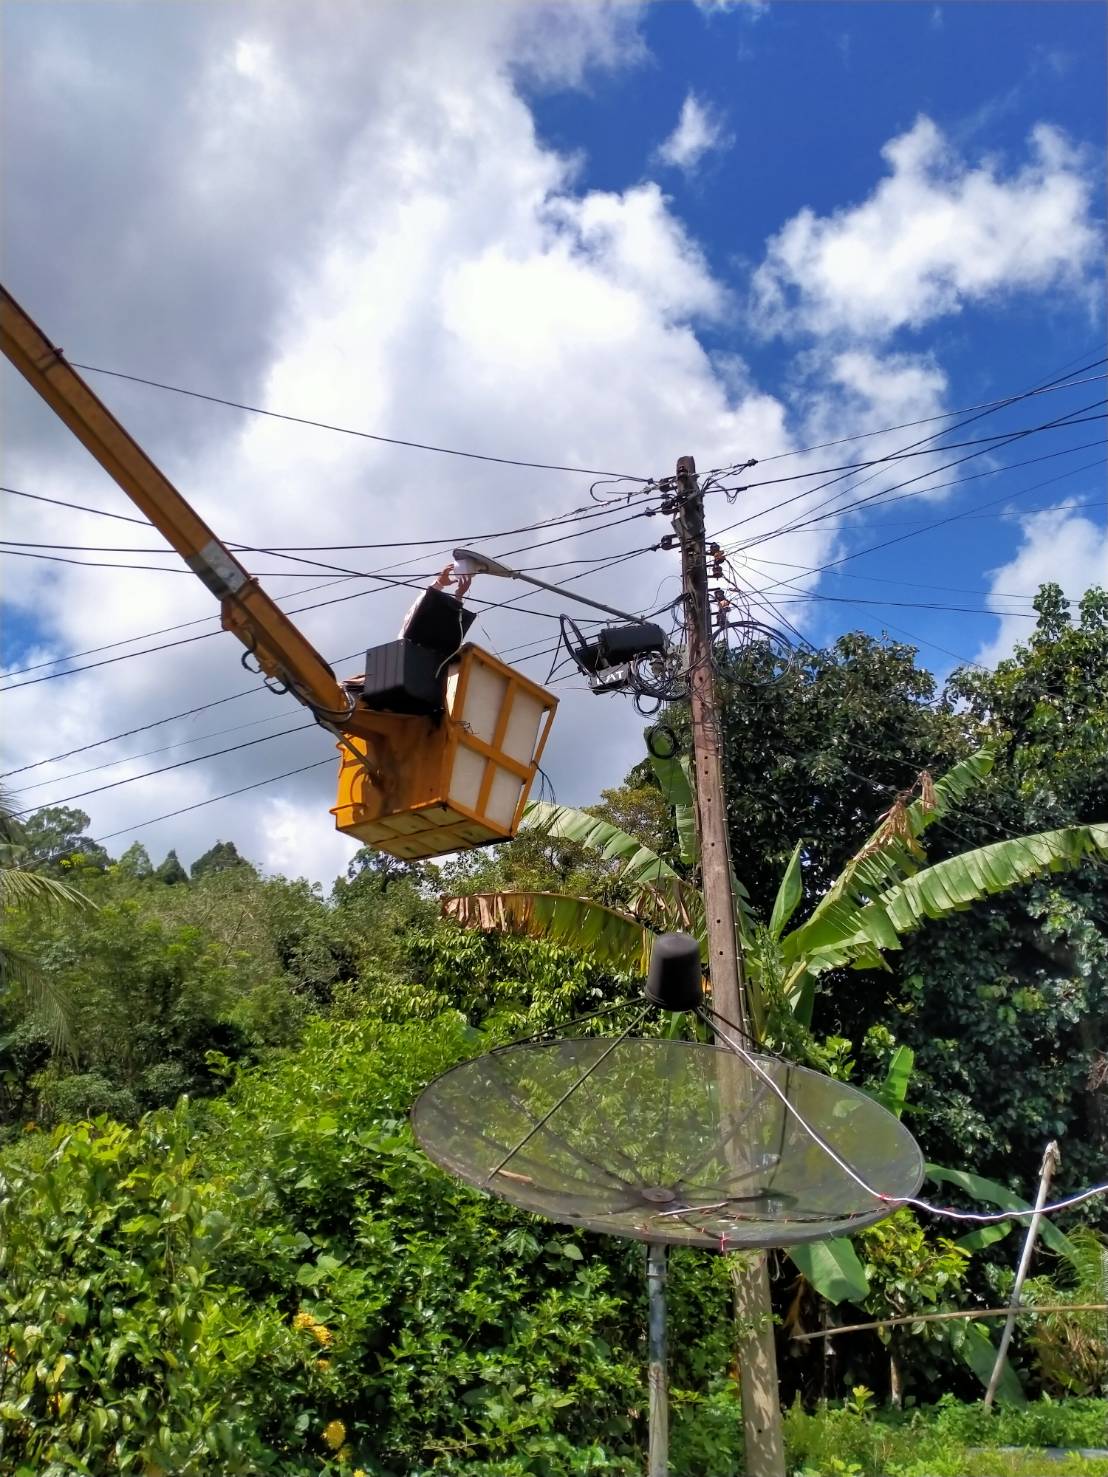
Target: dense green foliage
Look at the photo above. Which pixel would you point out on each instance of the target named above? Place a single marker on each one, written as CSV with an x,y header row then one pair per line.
x,y
264,1275
217,1290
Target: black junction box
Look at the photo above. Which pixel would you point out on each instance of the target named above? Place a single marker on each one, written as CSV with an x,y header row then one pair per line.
x,y
403,677
615,645
623,643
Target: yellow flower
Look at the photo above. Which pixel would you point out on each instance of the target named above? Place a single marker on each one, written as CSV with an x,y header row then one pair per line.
x,y
334,1433
303,1320
323,1364
321,1334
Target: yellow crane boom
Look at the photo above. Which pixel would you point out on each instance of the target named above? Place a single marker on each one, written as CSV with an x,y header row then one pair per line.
x,y
449,775
276,644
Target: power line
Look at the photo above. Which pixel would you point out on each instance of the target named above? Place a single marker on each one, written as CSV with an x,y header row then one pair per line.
x,y
414,584
912,448
130,732
165,768
802,595
214,799
909,584
886,501
921,640
582,514
1050,388
201,620
1063,423
977,517
198,738
300,420
58,502
204,619
31,551
232,697
913,533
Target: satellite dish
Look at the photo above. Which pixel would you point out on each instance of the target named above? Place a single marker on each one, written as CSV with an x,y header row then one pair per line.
x,y
675,1142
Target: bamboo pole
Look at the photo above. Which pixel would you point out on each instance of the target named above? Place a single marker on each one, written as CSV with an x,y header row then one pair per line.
x,y
1051,1159
1024,1310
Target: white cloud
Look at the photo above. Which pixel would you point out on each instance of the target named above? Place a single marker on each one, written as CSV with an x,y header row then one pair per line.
x,y
1059,548
697,132
452,286
346,214
752,8
935,235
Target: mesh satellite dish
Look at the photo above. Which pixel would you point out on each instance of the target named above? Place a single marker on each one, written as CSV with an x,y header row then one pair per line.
x,y
669,1142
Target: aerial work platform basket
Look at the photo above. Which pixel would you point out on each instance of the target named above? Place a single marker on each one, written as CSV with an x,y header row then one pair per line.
x,y
422,786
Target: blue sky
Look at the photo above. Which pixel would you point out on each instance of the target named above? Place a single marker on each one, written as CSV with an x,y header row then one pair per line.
x,y
593,232
805,96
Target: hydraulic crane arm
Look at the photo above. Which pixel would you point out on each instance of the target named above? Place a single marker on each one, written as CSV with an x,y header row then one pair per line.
x,y
278,647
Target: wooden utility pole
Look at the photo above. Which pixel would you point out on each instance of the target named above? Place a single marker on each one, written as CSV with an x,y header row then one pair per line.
x,y
761,1400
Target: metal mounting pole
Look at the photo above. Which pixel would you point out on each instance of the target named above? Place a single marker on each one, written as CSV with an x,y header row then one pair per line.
x,y
1051,1160
658,1459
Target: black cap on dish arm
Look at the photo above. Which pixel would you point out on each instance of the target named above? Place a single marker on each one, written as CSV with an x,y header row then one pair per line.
x,y
675,978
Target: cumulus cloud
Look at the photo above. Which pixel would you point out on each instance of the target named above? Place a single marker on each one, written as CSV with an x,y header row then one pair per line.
x,y
347,215
1058,547
935,235
697,132
407,258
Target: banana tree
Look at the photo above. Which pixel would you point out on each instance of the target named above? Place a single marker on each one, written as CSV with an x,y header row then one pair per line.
x,y
884,891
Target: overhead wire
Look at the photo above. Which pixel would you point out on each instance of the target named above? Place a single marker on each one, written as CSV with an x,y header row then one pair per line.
x,y
300,420
199,738
215,799
901,537
608,562
1006,439
912,448
581,514
165,768
1049,387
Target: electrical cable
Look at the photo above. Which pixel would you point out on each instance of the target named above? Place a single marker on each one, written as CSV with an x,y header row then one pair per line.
x,y
582,514
881,501
1072,418
214,799
348,431
713,1019
903,537
1007,440
902,584
910,448
1049,388
165,768
130,732
232,697
146,753
801,595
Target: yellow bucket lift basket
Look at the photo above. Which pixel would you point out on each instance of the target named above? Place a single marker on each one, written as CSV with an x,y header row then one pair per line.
x,y
418,787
